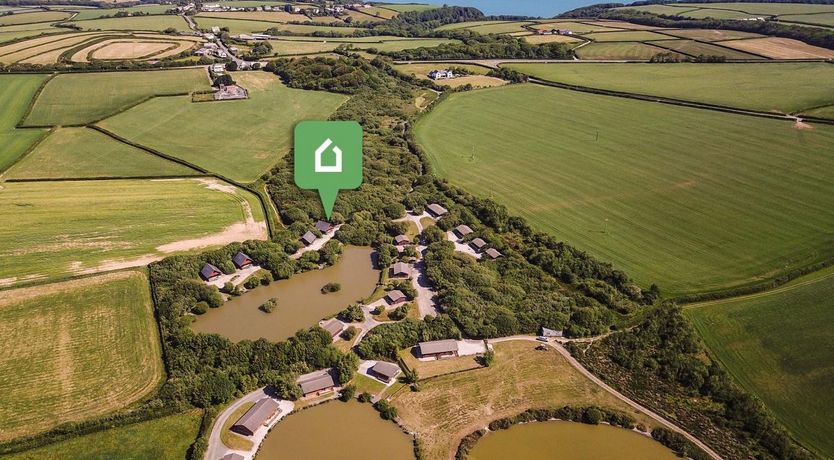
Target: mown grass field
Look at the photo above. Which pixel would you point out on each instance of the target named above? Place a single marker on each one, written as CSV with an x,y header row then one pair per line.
x,y
711,35
86,153
158,23
780,48
76,99
824,19
245,26
19,51
452,406
782,87
75,350
626,36
312,45
258,130
691,199
694,48
16,91
93,13
33,17
166,438
632,51
780,346
8,33
60,228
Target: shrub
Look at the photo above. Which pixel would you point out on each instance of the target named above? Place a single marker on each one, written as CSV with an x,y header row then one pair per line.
x,y
331,287
364,397
269,306
352,314
386,410
400,312
199,308
347,393
349,333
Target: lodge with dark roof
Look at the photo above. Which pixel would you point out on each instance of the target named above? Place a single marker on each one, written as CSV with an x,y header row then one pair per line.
x,y
395,296
308,238
400,270
210,273
257,416
384,371
241,260
438,349
436,210
478,244
324,226
316,383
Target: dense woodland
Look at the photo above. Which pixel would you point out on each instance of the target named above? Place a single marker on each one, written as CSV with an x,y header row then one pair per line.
x,y
662,363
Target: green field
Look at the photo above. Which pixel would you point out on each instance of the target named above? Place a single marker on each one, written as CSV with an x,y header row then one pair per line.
x,y
824,19
75,350
626,36
711,35
694,200
764,84
86,153
238,139
245,26
8,33
632,51
33,17
166,438
404,7
61,228
767,8
156,23
780,346
310,45
695,49
16,91
93,13
77,99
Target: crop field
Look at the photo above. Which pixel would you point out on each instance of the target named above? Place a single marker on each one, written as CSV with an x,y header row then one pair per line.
x,y
205,133
76,99
115,45
34,17
16,91
158,23
704,209
694,48
767,8
500,27
575,27
539,39
711,35
73,227
631,51
268,16
46,42
626,36
778,345
166,438
405,7
823,19
8,33
75,350
94,13
86,153
819,14
780,48
132,49
312,45
245,26
764,84
452,406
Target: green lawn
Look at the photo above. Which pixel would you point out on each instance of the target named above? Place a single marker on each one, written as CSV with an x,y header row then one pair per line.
x,y
764,84
694,200
135,23
60,228
85,153
780,346
166,438
16,91
75,350
238,139
76,99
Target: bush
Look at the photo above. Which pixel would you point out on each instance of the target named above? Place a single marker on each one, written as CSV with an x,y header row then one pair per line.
x,y
592,416
386,410
199,308
269,306
349,333
487,359
347,393
331,287
364,397
400,312
352,314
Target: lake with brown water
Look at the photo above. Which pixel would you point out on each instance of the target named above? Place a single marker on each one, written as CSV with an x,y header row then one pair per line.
x,y
561,440
338,431
300,301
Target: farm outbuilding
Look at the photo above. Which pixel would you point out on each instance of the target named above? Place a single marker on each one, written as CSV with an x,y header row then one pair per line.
x,y
256,417
210,273
334,327
545,332
316,383
436,210
384,371
400,270
241,260
438,349
394,297
308,238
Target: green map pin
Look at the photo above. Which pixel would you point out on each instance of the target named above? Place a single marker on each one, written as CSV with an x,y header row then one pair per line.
x,y
328,158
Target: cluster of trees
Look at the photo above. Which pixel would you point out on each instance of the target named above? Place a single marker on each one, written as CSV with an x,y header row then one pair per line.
x,y
423,23
383,341
665,350
477,46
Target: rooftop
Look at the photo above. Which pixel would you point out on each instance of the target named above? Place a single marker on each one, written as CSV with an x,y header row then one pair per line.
x,y
258,414
308,237
386,369
395,295
438,346
317,382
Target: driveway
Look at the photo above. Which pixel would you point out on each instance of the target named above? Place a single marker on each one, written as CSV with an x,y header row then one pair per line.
x,y
318,244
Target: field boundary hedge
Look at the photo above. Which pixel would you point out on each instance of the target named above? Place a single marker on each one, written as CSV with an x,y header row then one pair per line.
x,y
29,150
32,101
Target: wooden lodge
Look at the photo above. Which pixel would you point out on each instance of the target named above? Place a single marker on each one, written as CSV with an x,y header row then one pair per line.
x,y
438,349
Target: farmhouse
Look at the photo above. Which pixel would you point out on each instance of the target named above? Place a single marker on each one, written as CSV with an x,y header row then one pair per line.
x,y
436,210
438,349
545,332
441,74
384,371
334,327
241,260
493,253
462,230
400,270
399,240
478,244
308,238
257,416
210,273
394,297
324,226
316,383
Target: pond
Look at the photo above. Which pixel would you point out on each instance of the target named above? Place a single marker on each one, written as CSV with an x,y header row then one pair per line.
x,y
576,441
336,430
300,301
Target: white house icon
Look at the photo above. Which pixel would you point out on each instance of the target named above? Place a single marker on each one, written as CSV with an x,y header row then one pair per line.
x,y
320,168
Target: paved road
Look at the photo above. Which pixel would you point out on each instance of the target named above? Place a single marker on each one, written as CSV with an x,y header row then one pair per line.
x,y
578,366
